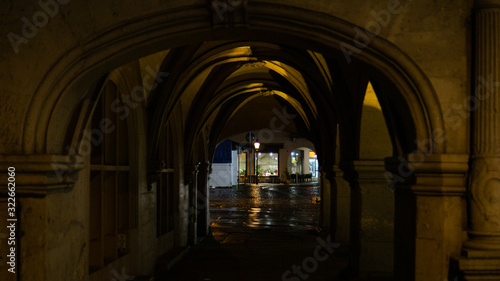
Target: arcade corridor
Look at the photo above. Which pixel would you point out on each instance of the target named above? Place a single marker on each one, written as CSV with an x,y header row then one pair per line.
x,y
259,233
112,113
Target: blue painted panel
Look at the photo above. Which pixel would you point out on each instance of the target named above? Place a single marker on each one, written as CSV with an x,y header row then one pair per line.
x,y
223,152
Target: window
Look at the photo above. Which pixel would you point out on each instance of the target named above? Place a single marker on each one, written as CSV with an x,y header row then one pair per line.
x,y
313,167
267,163
242,164
297,157
109,182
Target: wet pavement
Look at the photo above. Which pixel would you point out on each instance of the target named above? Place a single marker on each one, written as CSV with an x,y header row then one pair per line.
x,y
273,207
265,232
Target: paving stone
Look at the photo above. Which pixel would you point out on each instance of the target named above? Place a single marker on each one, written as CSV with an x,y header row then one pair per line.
x,y
257,240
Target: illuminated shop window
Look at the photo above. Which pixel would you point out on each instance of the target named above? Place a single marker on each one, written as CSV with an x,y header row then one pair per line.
x,y
267,163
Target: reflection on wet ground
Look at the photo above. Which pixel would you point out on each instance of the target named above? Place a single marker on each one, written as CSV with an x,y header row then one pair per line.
x,y
264,233
275,207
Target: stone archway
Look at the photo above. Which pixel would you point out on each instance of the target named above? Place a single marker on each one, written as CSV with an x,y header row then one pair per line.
x,y
108,49
71,71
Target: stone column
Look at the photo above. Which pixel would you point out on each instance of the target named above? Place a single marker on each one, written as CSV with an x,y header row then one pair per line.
x,y
371,219
343,206
202,202
482,250
190,179
328,194
429,213
52,217
251,165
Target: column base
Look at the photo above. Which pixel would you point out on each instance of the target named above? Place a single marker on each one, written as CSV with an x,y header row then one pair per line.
x,y
478,254
480,259
486,242
479,269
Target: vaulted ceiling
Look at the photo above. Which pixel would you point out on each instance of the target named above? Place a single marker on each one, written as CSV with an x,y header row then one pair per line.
x,y
227,88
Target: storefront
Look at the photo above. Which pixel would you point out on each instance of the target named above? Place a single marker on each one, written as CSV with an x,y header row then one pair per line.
x,y
263,163
248,163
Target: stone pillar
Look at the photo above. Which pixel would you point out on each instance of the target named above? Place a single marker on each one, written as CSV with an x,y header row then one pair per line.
x,y
190,179
328,194
377,220
305,162
482,251
251,165
343,206
283,163
349,174
202,202
371,219
52,217
429,213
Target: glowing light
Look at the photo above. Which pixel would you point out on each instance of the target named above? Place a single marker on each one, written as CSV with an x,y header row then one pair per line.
x,y
256,145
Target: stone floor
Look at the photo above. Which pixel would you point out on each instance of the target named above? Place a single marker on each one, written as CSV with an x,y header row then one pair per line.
x,y
260,233
276,207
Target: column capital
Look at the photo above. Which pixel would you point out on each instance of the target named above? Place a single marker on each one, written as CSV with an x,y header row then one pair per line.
x,y
327,171
40,175
364,171
369,170
429,174
203,167
487,4
154,170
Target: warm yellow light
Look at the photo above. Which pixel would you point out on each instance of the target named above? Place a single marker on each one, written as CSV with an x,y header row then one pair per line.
x,y
256,145
371,97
